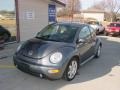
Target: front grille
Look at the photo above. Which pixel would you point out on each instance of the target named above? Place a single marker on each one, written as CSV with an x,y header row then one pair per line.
x,y
27,60
26,68
23,65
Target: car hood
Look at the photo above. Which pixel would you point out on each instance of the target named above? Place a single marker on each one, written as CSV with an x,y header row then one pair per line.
x,y
94,26
36,48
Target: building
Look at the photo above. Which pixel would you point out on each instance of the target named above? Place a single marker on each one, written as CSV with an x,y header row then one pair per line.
x,y
33,15
93,14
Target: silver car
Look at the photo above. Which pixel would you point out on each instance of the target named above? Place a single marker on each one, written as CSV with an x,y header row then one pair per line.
x,y
97,26
58,50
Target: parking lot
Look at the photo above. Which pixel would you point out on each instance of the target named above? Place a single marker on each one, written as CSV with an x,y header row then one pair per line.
x,y
98,74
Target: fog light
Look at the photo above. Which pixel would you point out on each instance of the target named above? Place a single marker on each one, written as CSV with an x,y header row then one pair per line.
x,y
53,71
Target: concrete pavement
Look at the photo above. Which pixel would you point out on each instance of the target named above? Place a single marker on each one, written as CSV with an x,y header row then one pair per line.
x,y
98,74
8,50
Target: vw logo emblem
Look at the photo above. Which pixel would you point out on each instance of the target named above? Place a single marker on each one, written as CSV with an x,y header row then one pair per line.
x,y
30,53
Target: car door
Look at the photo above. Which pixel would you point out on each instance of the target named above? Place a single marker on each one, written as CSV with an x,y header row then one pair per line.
x,y
93,40
86,46
1,32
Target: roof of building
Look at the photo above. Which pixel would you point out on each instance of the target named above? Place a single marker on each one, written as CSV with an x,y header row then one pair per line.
x,y
59,2
93,10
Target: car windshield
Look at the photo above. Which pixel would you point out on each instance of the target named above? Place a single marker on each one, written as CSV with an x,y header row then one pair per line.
x,y
58,33
114,25
93,23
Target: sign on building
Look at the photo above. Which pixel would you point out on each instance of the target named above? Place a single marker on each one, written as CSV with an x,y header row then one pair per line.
x,y
52,13
29,15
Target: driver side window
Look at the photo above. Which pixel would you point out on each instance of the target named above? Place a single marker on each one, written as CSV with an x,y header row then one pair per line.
x,y
84,33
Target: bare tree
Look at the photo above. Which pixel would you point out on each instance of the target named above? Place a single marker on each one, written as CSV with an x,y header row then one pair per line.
x,y
99,5
113,6
73,6
110,6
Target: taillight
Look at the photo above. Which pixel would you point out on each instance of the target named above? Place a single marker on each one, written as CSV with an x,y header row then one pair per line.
x,y
113,29
117,30
107,29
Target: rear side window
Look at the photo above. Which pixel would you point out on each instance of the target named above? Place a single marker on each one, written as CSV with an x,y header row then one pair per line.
x,y
114,25
84,33
93,32
93,23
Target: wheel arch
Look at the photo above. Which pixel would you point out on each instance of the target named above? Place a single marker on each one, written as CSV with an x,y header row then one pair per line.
x,y
77,58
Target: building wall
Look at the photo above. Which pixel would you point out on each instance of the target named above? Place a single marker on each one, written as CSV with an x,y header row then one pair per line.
x,y
97,16
30,27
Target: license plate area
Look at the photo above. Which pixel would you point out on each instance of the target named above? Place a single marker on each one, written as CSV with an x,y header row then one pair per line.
x,y
24,66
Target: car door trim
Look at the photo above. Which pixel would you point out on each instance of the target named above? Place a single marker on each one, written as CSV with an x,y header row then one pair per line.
x,y
87,60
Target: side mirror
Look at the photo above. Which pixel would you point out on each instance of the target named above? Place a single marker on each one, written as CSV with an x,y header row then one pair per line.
x,y
80,41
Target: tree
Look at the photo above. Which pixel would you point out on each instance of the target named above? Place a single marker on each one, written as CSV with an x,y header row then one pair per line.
x,y
72,6
113,6
99,5
5,12
110,6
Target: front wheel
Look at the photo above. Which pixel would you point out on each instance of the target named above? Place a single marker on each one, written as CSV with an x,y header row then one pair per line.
x,y
105,33
71,70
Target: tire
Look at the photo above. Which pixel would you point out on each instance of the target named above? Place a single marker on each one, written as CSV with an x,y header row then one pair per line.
x,y
71,70
98,53
105,33
6,37
97,32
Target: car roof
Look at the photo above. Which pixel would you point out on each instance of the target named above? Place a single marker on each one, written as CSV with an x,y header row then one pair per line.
x,y
72,24
116,22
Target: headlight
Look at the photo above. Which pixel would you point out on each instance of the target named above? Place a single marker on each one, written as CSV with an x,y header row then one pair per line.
x,y
19,47
56,57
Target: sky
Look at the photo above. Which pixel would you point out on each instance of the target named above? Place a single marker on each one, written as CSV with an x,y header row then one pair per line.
x,y
9,4
85,3
88,3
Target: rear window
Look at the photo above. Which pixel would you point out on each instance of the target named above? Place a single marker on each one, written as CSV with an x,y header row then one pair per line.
x,y
114,25
93,23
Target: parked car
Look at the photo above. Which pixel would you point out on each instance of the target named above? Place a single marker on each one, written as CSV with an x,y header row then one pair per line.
x,y
97,26
58,51
4,34
1,42
113,29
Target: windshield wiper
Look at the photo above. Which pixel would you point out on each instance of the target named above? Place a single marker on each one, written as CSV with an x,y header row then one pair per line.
x,y
43,37
47,39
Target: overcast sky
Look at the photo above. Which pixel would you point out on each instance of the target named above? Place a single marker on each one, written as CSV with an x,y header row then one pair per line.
x,y
85,3
88,3
9,4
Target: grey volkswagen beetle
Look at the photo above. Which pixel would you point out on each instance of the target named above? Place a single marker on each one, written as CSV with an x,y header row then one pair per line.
x,y
58,50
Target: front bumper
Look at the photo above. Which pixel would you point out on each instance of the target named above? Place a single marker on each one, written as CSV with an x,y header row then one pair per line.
x,y
1,43
38,69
